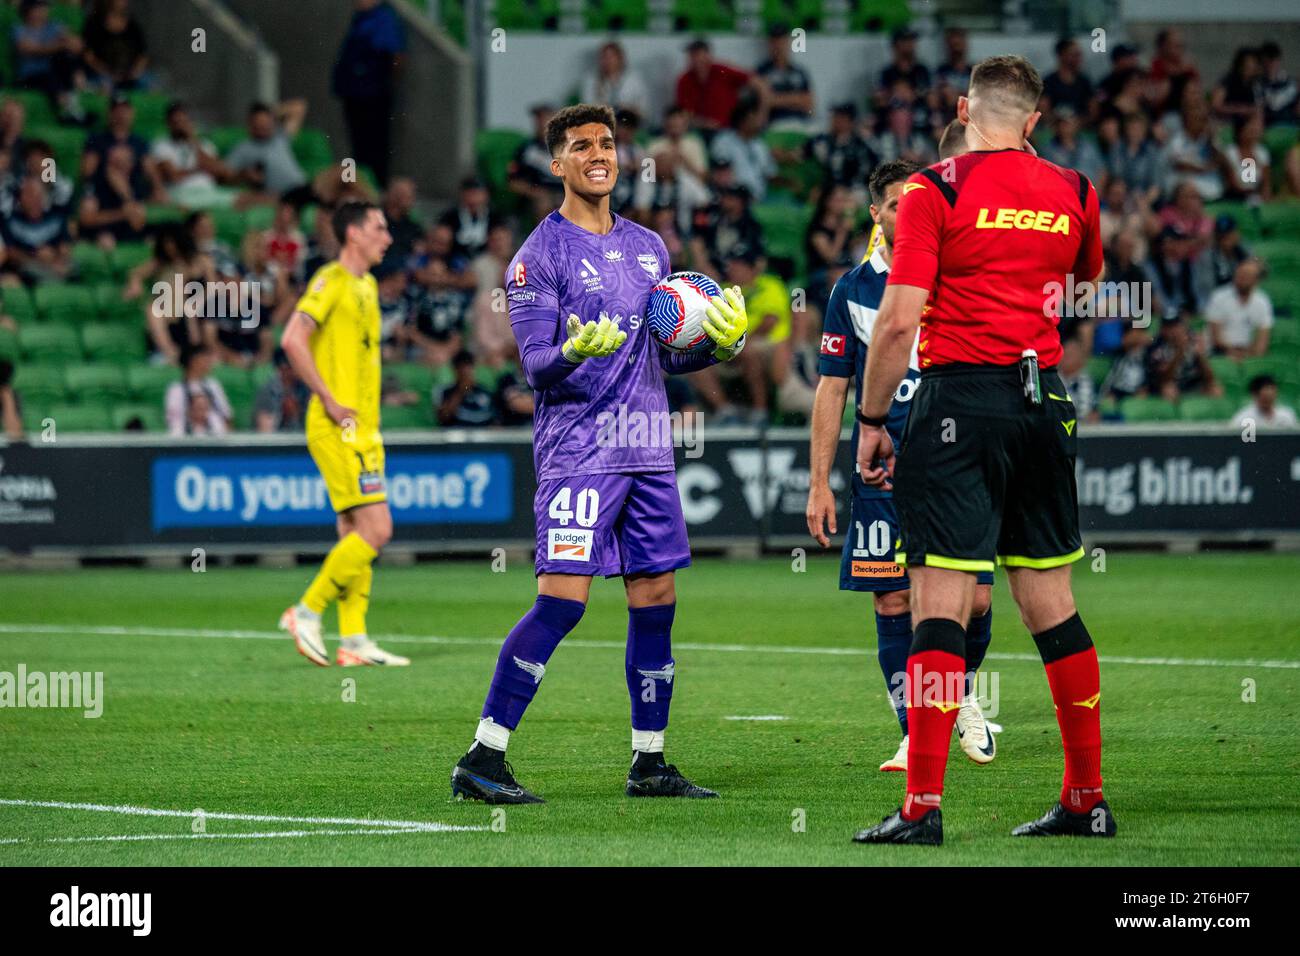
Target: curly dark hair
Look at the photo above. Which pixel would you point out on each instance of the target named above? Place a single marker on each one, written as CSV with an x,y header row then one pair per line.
x,y
580,114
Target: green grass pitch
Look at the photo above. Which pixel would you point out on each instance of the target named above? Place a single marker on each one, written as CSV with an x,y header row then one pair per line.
x,y
206,708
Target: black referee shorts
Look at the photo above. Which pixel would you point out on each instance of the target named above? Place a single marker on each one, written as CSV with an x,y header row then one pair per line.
x,y
984,476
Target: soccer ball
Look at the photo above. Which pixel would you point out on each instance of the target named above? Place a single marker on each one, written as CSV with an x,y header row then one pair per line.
x,y
675,312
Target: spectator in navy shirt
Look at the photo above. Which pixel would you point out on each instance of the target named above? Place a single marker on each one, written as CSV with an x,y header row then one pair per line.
x,y
365,80
36,236
791,101
1067,85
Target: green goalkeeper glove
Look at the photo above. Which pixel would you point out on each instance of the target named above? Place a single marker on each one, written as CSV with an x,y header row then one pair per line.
x,y
592,340
726,322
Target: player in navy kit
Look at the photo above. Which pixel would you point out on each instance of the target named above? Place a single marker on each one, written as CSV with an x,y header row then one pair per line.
x,y
868,562
606,504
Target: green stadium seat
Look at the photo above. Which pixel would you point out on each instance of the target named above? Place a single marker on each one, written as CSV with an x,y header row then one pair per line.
x,y
224,138
1285,334
311,147
1205,408
618,15
63,302
37,105
411,376
879,15
1099,367
69,14
113,342
494,149
127,255
1227,372
487,377
230,225
784,226
260,375
1281,217
97,383
258,217
1276,366
49,342
419,415
236,382
699,16
90,262
18,302
81,418
34,417
527,14
151,416
67,142
156,214
9,347
39,385
149,383
113,308
1148,410
150,112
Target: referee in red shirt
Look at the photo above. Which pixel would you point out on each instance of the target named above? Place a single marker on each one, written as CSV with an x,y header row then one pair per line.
x,y
987,470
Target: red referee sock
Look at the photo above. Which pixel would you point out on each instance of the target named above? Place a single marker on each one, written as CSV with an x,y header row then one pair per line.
x,y
936,681
1073,675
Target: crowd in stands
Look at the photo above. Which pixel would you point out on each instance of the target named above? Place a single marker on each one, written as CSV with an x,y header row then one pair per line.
x,y
746,186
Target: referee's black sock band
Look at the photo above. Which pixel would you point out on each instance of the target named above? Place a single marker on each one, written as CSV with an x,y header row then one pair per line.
x,y
939,634
1068,637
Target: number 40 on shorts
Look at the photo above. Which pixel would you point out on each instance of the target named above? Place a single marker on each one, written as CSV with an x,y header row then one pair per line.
x,y
584,507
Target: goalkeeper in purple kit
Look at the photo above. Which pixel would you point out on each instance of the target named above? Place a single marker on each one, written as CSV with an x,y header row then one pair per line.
x,y
577,291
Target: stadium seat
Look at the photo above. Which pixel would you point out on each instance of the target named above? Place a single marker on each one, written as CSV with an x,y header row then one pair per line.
x,y
1205,408
39,384
1274,365
81,418
1227,372
49,342
1099,367
411,377
127,255
618,15
151,416
527,14
235,380
311,147
98,383
113,342
157,213
37,105
69,14
1148,410
149,383
9,348
419,415
1284,335
63,302
67,142
91,262
113,308
18,302
784,226
229,224
494,149
224,138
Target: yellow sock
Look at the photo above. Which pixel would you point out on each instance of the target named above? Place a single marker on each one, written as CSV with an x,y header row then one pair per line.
x,y
343,565
353,604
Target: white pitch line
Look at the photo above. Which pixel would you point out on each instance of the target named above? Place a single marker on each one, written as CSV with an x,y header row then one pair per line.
x,y
119,631
128,810
268,835
759,717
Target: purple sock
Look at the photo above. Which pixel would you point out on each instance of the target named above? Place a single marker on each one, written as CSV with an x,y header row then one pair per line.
x,y
649,665
523,657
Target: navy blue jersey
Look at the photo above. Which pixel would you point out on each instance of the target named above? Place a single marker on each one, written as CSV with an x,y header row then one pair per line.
x,y
846,335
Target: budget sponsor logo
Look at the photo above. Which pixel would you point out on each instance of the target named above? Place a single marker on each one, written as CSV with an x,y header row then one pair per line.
x,y
569,544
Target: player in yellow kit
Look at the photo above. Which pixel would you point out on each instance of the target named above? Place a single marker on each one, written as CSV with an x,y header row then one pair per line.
x,y
332,341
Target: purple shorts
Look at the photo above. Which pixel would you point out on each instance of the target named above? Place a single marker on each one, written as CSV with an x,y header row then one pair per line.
x,y
610,525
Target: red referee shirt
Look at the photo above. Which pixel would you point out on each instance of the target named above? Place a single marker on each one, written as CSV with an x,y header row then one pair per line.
x,y
988,233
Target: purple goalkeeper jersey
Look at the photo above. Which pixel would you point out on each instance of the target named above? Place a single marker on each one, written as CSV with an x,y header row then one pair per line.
x,y
561,269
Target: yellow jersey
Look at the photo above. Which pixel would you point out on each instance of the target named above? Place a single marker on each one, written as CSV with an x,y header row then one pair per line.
x,y
876,240
345,345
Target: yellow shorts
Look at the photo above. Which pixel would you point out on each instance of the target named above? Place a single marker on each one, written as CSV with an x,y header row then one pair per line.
x,y
353,471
